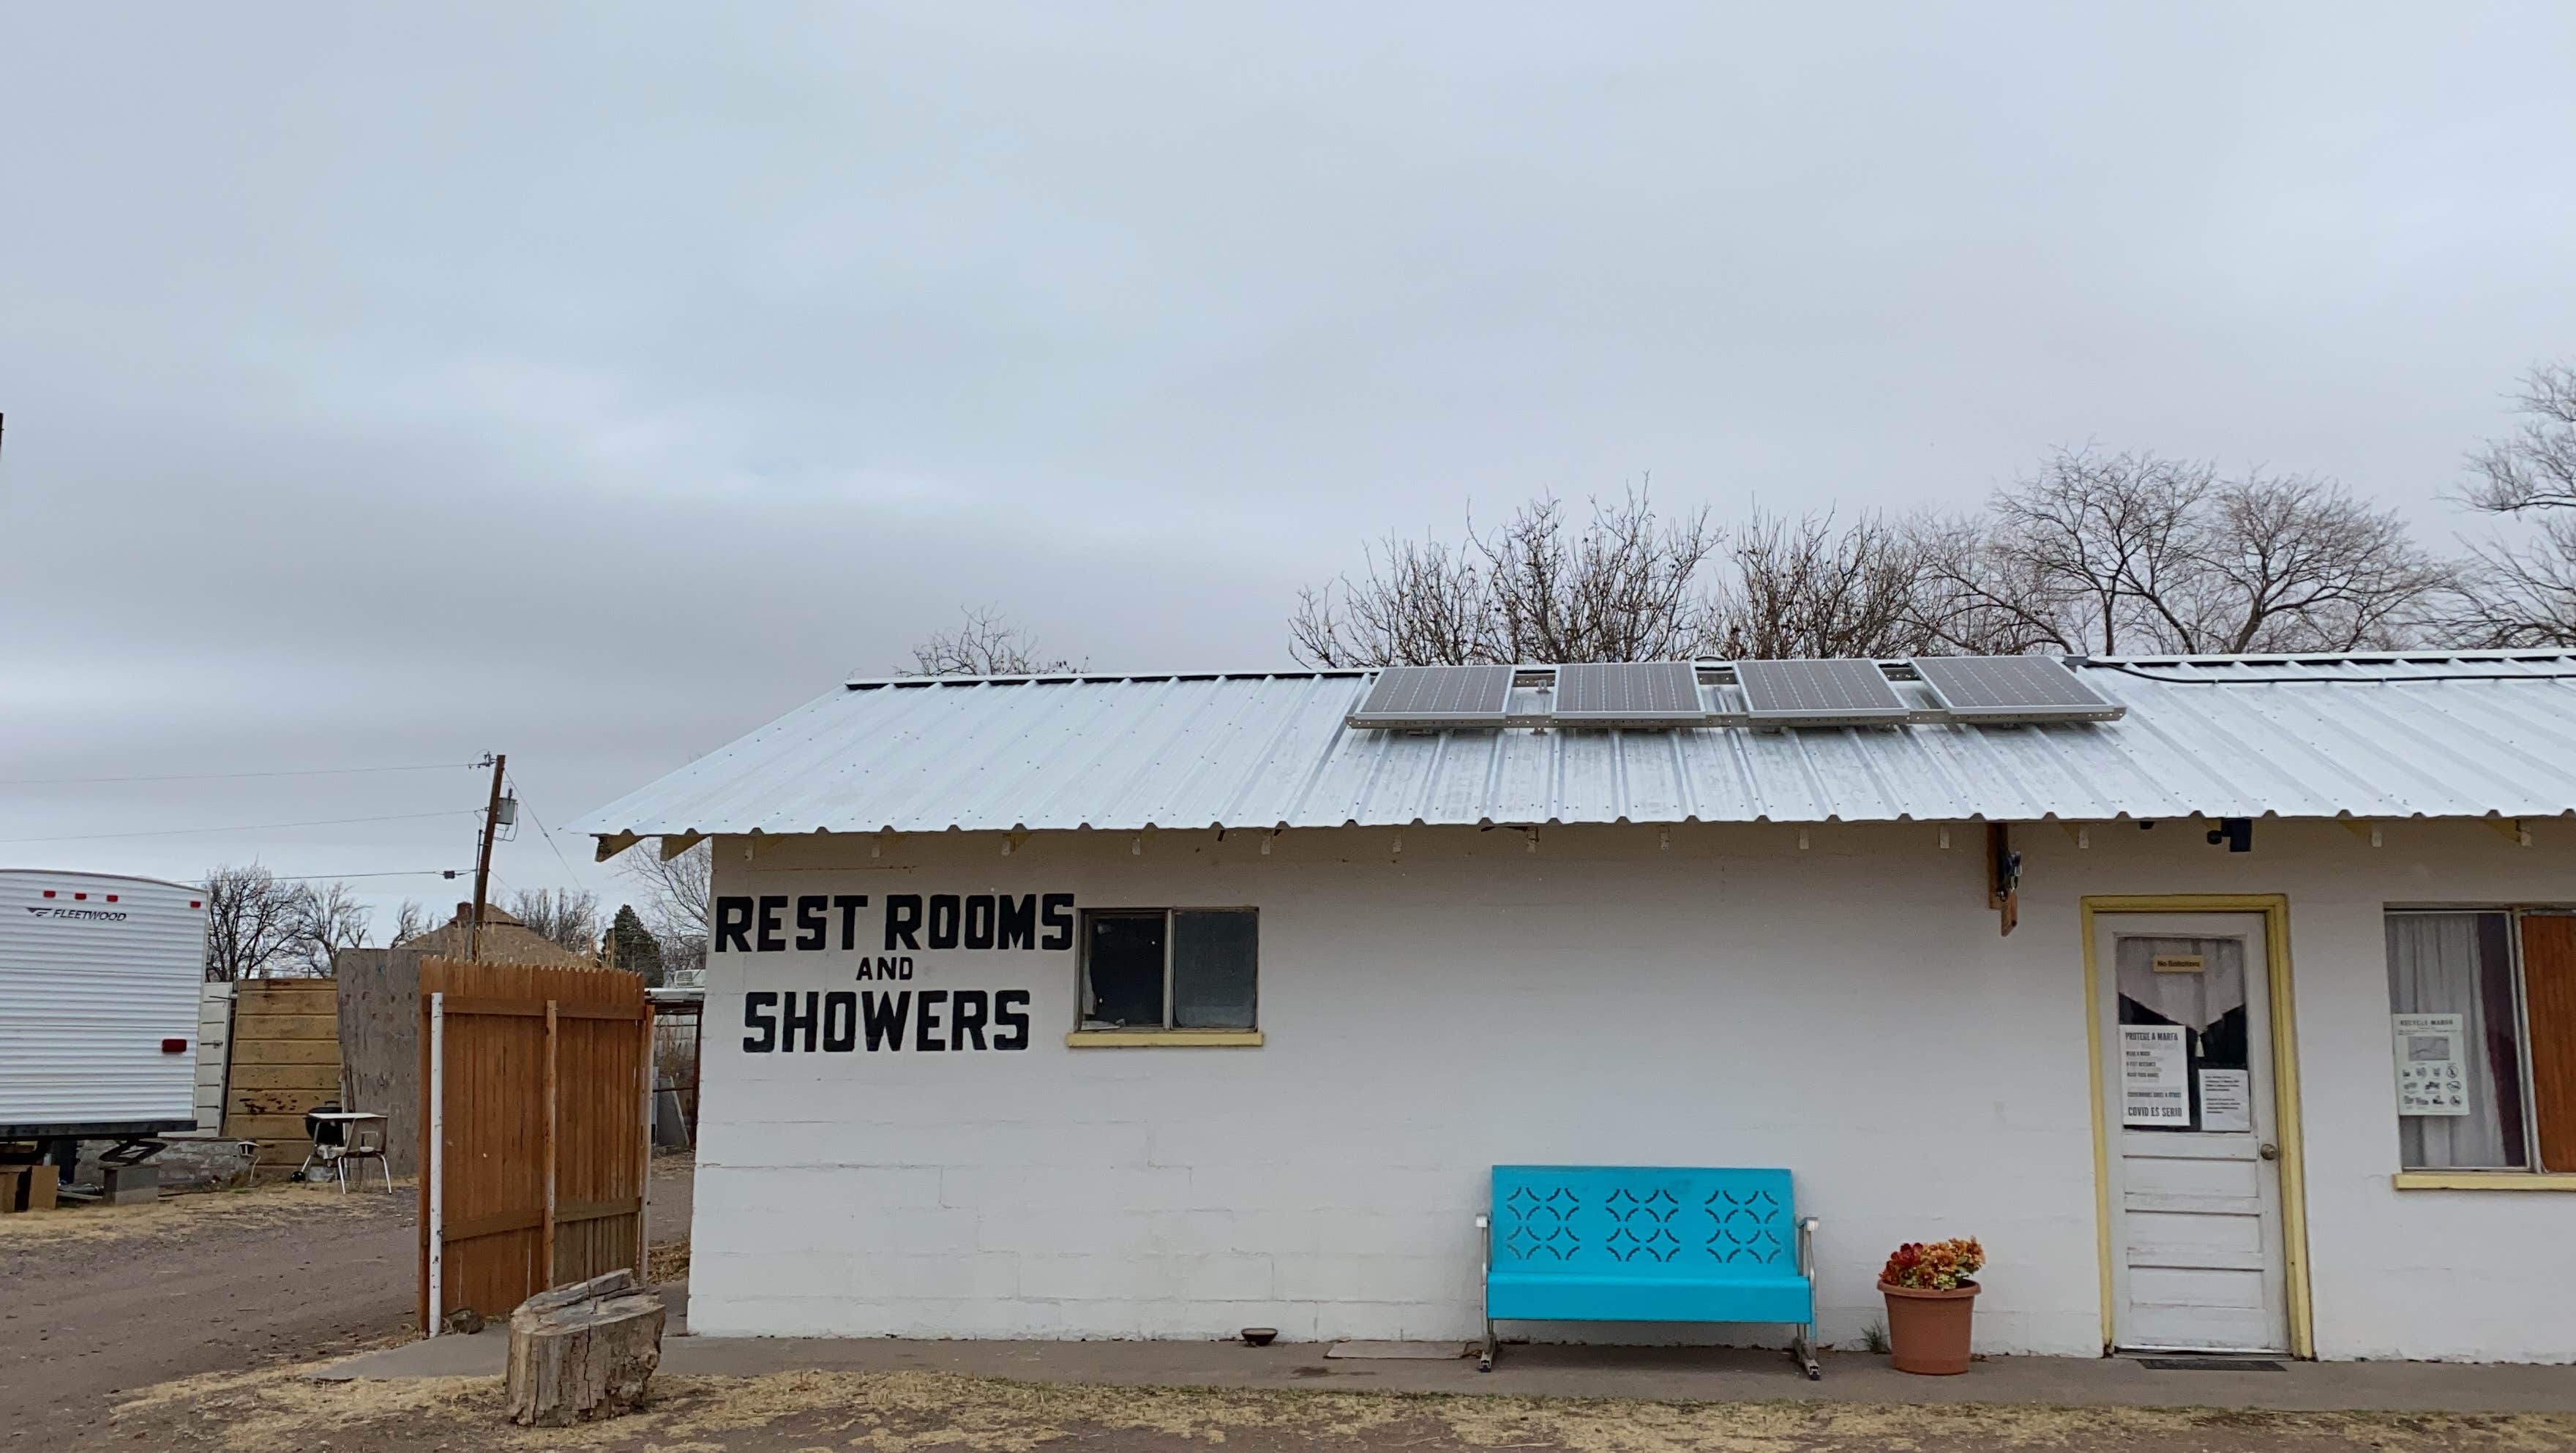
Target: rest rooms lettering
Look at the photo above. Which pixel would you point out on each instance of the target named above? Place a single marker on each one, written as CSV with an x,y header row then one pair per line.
x,y
748,925
926,1021
840,1021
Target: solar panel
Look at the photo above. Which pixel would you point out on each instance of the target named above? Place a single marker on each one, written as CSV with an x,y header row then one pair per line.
x,y
2018,688
1646,693
1818,693
1437,696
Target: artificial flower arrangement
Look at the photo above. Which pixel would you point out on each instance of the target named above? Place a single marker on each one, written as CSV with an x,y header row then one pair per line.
x,y
1941,1266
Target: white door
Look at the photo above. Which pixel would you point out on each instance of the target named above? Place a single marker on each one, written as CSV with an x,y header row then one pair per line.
x,y
2185,1006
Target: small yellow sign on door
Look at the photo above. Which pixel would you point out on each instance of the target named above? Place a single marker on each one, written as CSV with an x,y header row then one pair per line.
x,y
2181,963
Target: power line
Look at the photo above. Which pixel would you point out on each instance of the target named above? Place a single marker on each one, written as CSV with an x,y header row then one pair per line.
x,y
247,827
542,830
233,776
338,877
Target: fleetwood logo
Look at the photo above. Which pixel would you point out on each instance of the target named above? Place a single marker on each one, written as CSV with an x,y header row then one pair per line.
x,y
98,915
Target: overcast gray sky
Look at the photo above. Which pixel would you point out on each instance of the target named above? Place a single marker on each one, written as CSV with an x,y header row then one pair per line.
x,y
388,385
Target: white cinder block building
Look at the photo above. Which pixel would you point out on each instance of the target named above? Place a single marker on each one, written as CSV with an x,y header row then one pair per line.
x,y
1164,1006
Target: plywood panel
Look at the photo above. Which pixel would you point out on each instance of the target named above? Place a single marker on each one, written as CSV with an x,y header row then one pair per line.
x,y
313,1075
287,1026
2549,1004
286,1052
379,1011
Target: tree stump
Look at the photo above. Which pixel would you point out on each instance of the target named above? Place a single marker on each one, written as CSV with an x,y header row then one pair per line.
x,y
583,1351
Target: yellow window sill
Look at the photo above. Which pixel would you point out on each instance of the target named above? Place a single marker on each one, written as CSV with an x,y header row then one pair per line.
x,y
2493,1180
1162,1038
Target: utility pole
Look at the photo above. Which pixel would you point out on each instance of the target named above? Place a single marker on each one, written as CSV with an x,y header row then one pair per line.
x,y
483,862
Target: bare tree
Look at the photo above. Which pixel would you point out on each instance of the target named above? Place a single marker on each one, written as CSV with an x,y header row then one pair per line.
x,y
1630,586
2136,553
676,894
410,922
987,645
2524,593
1803,588
328,917
252,920
568,916
259,925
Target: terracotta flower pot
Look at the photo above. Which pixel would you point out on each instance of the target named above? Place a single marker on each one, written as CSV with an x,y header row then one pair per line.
x,y
1927,1331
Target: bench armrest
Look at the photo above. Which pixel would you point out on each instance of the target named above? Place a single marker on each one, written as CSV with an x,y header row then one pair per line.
x,y
1807,1245
1484,1247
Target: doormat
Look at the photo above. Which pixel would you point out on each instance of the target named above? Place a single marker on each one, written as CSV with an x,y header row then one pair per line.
x,y
1427,1351
2210,1364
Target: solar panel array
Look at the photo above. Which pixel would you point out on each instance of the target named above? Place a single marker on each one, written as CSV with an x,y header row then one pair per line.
x,y
1643,692
1820,693
1986,690
1437,696
2021,688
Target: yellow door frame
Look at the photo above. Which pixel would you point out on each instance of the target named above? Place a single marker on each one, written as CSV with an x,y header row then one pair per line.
x,y
2275,908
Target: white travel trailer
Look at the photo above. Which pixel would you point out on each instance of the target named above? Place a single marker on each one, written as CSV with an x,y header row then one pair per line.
x,y
99,985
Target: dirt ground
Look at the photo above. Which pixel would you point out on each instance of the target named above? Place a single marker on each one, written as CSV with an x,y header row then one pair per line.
x,y
99,1303
897,1412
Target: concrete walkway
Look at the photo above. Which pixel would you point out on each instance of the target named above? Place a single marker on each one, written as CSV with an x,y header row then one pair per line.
x,y
1661,1373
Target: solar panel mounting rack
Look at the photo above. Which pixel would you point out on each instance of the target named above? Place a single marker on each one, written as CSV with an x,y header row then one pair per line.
x,y
1628,693
1819,693
1436,696
2000,689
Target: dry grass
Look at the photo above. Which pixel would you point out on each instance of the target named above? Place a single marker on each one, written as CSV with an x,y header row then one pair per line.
x,y
667,1262
900,1412
176,1213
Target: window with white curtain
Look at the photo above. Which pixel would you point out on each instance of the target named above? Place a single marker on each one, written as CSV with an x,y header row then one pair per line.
x,y
2482,1032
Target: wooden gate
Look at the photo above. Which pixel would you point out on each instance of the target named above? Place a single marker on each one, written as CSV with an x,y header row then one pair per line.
x,y
535,1116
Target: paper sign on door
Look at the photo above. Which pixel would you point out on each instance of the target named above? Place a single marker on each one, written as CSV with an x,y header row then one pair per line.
x,y
2153,1090
2226,1101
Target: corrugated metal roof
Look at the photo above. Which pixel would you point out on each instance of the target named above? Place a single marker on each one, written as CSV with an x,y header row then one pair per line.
x,y
2466,735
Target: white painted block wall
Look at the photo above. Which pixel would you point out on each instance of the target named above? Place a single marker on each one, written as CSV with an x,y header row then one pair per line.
x,y
1847,1011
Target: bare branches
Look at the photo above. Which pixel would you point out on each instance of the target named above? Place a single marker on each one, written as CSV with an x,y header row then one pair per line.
x,y
1802,588
676,894
987,645
2534,468
329,918
410,922
251,922
260,926
2295,563
567,916
1629,587
2105,553
2136,553
2524,593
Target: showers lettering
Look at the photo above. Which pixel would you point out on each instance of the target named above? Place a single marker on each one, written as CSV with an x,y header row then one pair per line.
x,y
926,1021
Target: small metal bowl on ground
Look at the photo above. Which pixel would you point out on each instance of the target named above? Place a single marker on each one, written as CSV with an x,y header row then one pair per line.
x,y
1260,1336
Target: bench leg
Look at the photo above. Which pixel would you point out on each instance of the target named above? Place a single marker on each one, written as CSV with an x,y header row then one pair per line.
x,y
1485,1354
1803,1348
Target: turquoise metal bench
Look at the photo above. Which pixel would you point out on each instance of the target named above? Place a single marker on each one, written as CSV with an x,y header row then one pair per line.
x,y
1597,1243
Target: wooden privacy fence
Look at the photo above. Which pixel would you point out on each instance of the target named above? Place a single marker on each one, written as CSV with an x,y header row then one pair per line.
x,y
535,1112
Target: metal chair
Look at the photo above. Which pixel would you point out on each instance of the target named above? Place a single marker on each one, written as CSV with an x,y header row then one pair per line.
x,y
366,1142
328,1137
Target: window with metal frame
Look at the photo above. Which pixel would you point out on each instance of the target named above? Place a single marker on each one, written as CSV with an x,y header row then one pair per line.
x,y
2482,1031
1170,968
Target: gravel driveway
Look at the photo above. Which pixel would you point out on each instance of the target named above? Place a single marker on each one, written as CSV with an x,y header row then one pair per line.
x,y
99,1303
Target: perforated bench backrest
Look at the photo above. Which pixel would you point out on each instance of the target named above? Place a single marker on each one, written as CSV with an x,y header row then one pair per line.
x,y
1583,1220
